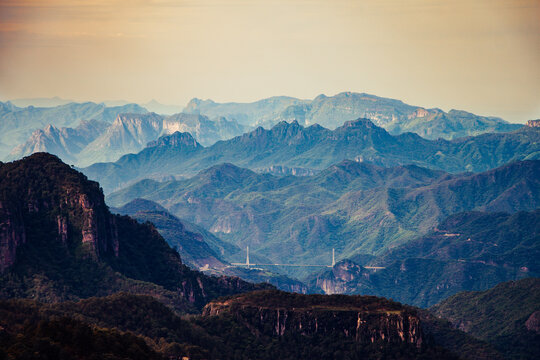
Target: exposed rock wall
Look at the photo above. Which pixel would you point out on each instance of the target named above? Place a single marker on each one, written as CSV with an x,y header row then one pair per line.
x,y
12,234
75,208
533,123
391,326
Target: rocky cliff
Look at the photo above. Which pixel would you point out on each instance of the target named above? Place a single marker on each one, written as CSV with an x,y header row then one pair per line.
x,y
59,241
38,194
366,319
533,123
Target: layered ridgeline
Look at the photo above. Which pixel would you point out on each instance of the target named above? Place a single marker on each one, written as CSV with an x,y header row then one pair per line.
x,y
58,241
353,207
467,251
315,147
393,115
17,124
507,316
260,325
202,250
66,143
128,133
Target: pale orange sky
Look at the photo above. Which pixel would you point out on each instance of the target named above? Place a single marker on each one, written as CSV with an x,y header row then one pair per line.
x,y
482,56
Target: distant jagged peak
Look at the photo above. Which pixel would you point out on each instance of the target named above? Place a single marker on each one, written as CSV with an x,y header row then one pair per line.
x,y
50,128
287,125
195,103
8,106
175,140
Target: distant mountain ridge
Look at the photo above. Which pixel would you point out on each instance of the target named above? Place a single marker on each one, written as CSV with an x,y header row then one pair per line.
x,y
65,142
315,148
507,316
16,124
354,207
128,133
331,111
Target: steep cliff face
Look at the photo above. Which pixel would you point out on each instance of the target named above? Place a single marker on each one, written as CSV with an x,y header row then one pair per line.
x,y
59,241
533,123
12,235
42,193
365,319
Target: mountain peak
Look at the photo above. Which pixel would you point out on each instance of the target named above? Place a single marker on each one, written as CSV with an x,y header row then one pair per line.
x,y
175,140
359,124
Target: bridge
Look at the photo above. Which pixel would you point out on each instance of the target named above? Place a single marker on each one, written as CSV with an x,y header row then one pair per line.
x,y
248,263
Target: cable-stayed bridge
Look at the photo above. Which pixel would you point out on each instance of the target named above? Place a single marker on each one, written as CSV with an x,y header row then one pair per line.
x,y
249,264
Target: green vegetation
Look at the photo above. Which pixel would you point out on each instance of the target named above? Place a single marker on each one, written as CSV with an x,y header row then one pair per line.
x,y
354,207
499,316
314,147
467,251
275,299
140,327
48,262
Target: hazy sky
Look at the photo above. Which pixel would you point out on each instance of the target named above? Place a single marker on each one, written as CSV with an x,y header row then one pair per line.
x,y
477,55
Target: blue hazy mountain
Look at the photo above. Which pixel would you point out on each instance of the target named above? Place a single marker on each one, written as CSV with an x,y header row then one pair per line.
x,y
18,124
331,111
251,114
128,133
316,148
67,143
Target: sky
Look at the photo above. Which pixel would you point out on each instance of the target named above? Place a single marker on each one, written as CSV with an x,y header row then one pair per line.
x,y
481,56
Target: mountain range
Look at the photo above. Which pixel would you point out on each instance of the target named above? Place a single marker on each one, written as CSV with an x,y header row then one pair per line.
x,y
354,207
466,251
59,242
434,209
128,133
66,142
17,124
331,111
314,147
22,127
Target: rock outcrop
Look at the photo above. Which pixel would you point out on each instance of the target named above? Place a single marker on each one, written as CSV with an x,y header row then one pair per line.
x,y
71,204
366,319
533,123
12,235
57,231
533,322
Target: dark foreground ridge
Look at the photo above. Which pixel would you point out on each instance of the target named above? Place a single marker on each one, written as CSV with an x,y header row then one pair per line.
x,y
58,241
139,327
